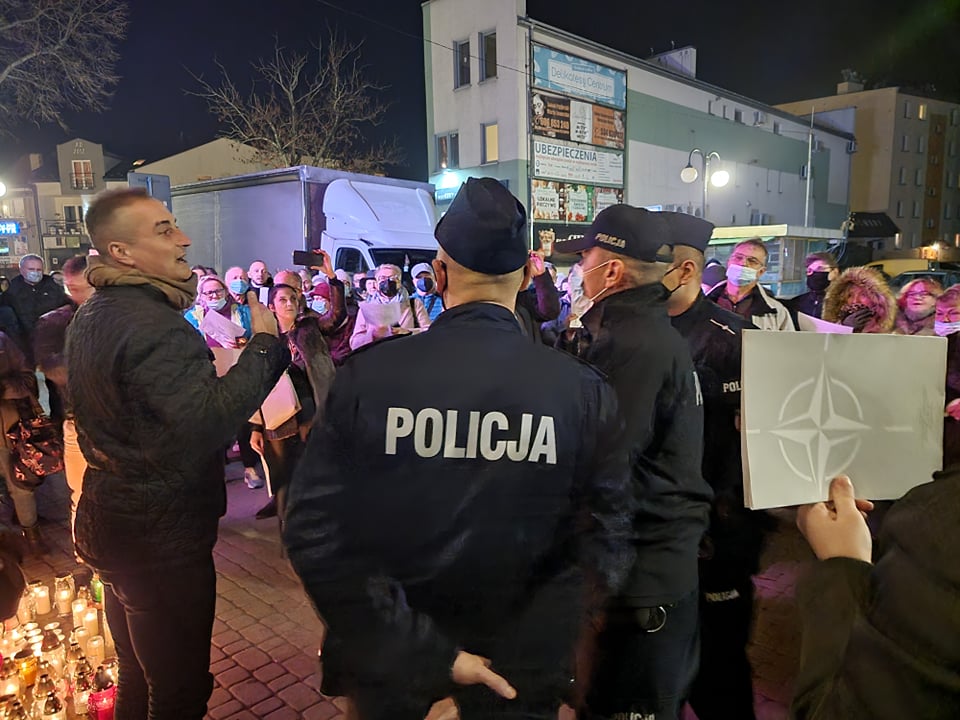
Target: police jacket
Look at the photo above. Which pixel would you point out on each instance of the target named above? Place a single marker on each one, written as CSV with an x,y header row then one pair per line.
x,y
152,420
733,544
461,479
629,337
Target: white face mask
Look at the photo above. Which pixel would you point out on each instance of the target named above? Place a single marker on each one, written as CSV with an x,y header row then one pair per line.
x,y
740,275
945,328
580,304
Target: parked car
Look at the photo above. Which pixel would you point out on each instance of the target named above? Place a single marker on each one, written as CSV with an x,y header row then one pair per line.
x,y
946,277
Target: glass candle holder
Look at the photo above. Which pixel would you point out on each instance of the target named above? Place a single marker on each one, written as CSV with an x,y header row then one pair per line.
x,y
80,636
42,595
27,665
78,608
111,668
95,650
63,589
9,678
27,610
91,622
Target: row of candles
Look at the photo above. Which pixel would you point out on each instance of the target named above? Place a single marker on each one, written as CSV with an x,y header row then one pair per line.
x,y
36,663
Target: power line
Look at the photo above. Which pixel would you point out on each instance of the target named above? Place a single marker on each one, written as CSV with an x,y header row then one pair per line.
x,y
414,36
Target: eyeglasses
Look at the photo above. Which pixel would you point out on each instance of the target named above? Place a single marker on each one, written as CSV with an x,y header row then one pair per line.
x,y
213,294
747,260
920,294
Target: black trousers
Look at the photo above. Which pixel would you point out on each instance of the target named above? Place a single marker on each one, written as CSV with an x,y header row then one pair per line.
x,y
248,456
281,457
637,673
723,689
162,620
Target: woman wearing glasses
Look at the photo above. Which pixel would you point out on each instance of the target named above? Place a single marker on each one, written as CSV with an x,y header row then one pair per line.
x,y
213,297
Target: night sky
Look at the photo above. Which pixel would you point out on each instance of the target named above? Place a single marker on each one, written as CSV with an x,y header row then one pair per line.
x,y
771,51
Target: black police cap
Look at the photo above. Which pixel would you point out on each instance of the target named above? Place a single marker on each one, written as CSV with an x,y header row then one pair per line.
x,y
688,230
625,230
485,228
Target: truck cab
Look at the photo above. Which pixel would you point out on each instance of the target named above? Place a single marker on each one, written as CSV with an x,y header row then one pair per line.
x,y
369,224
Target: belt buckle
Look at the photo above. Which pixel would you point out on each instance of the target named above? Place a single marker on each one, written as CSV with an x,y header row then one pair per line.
x,y
652,619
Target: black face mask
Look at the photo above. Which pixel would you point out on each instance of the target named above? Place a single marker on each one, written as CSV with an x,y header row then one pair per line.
x,y
425,285
389,288
818,282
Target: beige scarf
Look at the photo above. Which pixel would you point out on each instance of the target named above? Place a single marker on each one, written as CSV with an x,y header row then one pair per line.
x,y
179,293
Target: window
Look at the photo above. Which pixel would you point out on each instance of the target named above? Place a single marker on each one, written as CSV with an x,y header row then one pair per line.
x,y
776,128
490,150
955,117
899,208
931,223
351,260
448,151
907,109
73,219
82,175
931,191
952,148
903,175
922,144
949,179
946,211
488,56
725,115
905,143
738,116
461,63
922,111
918,177
916,208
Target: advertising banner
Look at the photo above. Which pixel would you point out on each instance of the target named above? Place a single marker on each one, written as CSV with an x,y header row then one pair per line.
x,y
576,163
570,202
561,118
572,75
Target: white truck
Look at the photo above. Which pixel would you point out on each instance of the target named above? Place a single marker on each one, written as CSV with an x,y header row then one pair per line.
x,y
361,220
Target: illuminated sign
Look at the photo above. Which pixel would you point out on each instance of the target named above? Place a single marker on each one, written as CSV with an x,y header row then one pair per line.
x,y
8,227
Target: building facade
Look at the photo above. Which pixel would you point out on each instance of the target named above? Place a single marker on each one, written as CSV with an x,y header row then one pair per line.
x,y
907,163
571,126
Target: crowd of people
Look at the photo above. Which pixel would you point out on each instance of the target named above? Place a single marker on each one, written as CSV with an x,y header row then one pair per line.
x,y
503,487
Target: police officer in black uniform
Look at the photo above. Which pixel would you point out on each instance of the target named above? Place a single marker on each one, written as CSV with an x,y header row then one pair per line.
x,y
730,551
442,518
647,652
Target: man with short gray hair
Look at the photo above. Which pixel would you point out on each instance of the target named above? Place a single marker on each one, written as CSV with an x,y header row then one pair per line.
x,y
33,294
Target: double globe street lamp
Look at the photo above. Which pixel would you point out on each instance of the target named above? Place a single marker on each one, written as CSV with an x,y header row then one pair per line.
x,y
690,174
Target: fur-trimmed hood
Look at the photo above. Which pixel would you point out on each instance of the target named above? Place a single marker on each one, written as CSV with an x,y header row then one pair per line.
x,y
879,298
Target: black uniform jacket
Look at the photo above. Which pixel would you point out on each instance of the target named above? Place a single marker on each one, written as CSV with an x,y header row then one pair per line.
x,y
629,337
461,480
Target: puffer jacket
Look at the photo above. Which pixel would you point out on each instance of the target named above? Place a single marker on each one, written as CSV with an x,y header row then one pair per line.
x,y
153,420
876,295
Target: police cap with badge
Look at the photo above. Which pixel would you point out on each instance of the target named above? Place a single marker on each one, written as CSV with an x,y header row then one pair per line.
x,y
626,230
485,228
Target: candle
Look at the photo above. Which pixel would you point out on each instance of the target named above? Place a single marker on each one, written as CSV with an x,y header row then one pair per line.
x,y
91,623
9,678
42,595
80,637
79,607
27,664
27,610
95,650
64,598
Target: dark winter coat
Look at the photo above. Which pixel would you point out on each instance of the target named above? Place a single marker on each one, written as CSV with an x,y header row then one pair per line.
x,y
881,301
29,302
537,305
153,420
882,641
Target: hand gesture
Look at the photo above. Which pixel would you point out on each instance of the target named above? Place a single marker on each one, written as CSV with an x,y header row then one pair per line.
x,y
953,409
256,442
838,528
326,265
469,669
537,266
858,319
261,319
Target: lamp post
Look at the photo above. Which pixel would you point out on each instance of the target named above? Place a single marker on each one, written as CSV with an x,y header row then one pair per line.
x,y
690,174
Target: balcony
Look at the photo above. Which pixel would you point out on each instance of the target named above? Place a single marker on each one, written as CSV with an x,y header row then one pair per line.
x,y
63,227
82,181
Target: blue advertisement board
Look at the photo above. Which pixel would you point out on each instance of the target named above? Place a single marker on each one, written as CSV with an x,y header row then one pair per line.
x,y
572,75
9,227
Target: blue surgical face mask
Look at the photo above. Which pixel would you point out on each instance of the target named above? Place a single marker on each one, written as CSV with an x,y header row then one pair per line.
x,y
33,276
945,328
320,306
238,287
216,304
741,275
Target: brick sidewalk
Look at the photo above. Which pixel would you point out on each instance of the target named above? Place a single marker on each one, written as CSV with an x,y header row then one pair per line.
x,y
266,634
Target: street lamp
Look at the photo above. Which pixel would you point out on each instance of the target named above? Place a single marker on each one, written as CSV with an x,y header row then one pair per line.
x,y
690,174
3,189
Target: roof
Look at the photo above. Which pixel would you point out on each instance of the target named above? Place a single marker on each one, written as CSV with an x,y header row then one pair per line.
x,y
871,225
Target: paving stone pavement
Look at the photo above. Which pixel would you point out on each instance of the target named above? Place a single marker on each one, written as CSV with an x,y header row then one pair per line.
x,y
266,634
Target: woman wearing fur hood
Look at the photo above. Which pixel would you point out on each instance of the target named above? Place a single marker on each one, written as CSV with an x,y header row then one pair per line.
x,y
861,299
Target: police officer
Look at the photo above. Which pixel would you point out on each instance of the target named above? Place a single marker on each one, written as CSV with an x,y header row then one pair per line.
x,y
440,520
647,651
730,551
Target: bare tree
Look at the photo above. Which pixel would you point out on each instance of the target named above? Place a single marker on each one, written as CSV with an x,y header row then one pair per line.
x,y
306,108
57,56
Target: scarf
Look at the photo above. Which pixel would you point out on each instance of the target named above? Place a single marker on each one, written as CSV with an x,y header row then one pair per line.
x,y
181,294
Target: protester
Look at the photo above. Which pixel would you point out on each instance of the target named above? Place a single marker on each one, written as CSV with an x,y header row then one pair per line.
x,y
540,302
916,306
153,420
460,571
861,299
821,271
259,275
647,649
881,641
426,289
32,294
744,295
389,291
49,344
